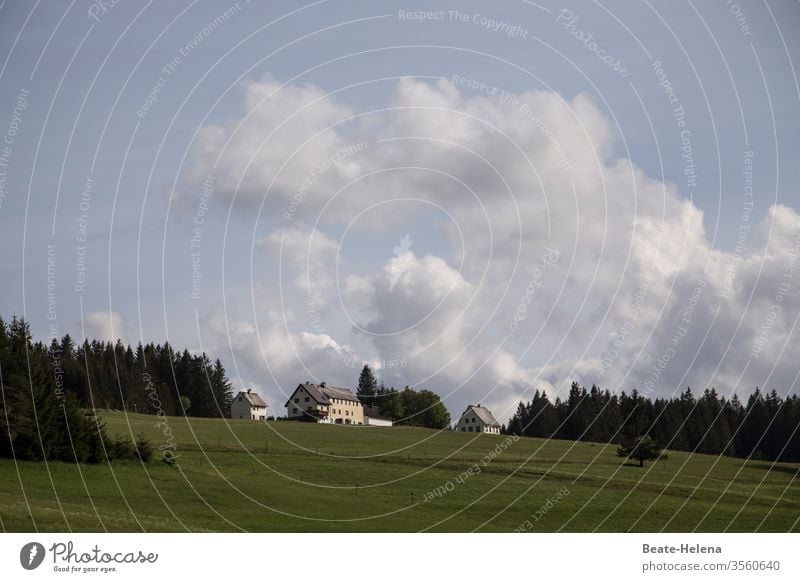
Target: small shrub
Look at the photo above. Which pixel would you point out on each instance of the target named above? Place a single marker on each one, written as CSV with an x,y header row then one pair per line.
x,y
144,451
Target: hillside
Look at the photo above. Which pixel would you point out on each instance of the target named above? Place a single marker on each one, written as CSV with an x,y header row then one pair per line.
x,y
281,476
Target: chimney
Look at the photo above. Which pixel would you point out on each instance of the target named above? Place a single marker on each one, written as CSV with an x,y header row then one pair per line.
x,y
322,384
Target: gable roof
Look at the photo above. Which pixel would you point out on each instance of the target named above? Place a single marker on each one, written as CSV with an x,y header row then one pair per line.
x,y
253,398
484,414
324,394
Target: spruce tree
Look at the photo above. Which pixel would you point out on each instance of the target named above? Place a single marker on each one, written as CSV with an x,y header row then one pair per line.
x,y
222,389
367,386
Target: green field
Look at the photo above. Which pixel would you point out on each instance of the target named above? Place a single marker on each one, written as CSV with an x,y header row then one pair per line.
x,y
282,476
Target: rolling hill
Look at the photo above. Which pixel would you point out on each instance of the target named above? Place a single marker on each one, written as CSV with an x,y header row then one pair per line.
x,y
284,476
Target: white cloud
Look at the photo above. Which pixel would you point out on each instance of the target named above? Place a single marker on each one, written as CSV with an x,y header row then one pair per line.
x,y
105,325
308,255
283,135
499,171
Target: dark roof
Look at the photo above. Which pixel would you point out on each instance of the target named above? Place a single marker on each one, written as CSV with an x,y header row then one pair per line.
x,y
483,413
374,413
253,398
324,394
340,393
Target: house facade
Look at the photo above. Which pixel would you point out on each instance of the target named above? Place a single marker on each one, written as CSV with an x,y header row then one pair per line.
x,y
248,404
324,404
477,418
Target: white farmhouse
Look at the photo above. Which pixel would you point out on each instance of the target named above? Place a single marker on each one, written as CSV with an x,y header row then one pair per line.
x,y
248,405
476,418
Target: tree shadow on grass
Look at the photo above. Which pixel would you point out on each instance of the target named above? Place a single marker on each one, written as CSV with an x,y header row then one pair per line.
x,y
776,468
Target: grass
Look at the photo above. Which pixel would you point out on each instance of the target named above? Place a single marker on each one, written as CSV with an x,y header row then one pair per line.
x,y
282,476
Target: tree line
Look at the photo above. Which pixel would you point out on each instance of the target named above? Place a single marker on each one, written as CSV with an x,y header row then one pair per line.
x,y
50,393
406,406
766,427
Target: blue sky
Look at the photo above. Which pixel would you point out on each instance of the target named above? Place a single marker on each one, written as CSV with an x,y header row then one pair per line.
x,y
366,72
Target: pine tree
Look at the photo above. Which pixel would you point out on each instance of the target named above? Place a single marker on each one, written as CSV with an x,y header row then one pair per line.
x,y
754,421
222,389
10,393
577,415
516,423
541,418
367,386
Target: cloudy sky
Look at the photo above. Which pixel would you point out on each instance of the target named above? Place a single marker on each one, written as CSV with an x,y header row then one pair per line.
x,y
479,199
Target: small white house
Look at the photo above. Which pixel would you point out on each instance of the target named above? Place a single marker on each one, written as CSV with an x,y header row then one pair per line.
x,y
476,418
248,404
373,418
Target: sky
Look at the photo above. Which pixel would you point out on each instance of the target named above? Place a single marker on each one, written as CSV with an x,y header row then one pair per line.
x,y
483,200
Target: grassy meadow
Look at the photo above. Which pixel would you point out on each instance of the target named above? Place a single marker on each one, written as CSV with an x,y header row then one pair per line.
x,y
282,476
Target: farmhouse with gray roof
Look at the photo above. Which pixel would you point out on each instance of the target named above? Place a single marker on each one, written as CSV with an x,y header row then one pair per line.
x,y
248,404
325,404
477,418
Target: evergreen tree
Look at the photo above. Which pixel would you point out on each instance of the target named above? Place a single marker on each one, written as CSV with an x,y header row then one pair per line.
x,y
754,422
49,393
221,388
541,420
767,428
641,448
367,386
576,417
516,424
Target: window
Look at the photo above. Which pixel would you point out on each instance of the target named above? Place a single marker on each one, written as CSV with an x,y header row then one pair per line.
x,y
470,429
308,408
296,400
477,429
306,398
463,429
294,410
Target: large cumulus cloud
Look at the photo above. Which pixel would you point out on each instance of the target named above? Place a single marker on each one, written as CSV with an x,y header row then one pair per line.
x,y
609,271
